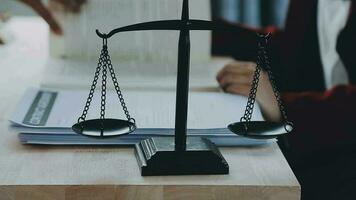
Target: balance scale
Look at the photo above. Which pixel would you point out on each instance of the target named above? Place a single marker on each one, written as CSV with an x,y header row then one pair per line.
x,y
178,155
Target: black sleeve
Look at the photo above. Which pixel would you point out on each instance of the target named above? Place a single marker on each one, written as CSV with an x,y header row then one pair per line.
x,y
240,44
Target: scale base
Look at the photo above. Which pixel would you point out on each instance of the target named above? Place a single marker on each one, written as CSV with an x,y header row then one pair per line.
x,y
157,157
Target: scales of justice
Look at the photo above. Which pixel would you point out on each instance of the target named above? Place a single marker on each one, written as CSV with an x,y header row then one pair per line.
x,y
178,155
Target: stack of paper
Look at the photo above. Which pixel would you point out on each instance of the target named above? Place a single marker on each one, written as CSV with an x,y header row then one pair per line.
x,y
144,55
81,42
45,116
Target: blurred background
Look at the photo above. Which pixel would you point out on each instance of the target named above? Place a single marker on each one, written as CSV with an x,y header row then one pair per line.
x,y
256,13
15,8
71,46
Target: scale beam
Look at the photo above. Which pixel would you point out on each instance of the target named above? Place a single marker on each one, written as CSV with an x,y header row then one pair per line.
x,y
171,25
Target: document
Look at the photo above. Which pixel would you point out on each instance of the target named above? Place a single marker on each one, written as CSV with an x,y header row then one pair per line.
x,y
151,109
46,116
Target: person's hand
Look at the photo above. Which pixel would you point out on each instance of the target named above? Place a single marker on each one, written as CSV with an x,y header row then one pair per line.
x,y
43,11
237,77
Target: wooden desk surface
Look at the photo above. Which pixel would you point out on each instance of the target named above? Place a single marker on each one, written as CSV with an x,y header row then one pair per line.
x,y
111,173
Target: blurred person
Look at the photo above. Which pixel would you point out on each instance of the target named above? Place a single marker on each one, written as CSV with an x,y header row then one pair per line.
x,y
45,13
314,61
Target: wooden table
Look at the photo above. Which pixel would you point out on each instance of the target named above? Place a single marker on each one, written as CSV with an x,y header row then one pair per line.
x,y
43,173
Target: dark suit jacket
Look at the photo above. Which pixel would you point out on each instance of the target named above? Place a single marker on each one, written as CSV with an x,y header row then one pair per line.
x,y
322,148
295,50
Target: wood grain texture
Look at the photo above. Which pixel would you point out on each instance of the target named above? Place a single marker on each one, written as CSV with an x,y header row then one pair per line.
x,y
45,173
146,193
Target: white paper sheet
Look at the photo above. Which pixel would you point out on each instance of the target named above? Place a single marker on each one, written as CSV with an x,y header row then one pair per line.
x,y
65,73
151,109
44,117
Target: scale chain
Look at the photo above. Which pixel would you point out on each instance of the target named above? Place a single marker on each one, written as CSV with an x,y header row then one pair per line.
x,y
263,62
118,89
92,88
103,86
265,59
104,65
252,96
